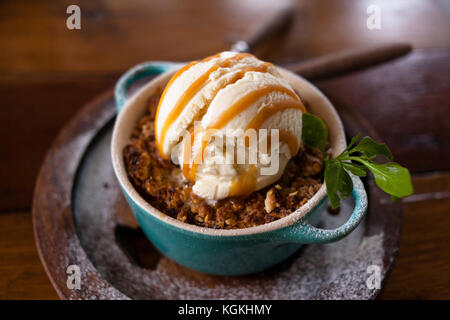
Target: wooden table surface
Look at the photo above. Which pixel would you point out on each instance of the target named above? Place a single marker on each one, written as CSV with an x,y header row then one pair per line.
x,y
48,72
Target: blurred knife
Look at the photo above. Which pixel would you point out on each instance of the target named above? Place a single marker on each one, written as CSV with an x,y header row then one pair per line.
x,y
348,60
270,28
328,65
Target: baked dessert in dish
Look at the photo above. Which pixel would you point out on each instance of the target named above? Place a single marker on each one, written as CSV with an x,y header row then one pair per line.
x,y
169,151
180,168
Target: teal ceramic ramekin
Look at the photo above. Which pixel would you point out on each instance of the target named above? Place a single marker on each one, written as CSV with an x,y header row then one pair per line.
x,y
227,252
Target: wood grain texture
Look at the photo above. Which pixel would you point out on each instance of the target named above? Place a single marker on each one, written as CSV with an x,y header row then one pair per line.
x,y
36,109
47,72
118,34
423,267
22,274
406,101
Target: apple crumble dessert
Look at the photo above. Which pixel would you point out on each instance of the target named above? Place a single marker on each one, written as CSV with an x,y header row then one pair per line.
x,y
161,183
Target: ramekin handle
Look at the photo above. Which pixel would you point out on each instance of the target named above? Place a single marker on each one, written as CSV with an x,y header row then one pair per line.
x,y
306,233
136,73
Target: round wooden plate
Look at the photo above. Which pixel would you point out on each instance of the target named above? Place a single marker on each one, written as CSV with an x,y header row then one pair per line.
x,y
81,218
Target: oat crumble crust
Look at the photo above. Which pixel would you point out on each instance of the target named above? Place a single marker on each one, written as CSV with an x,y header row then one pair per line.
x,y
158,182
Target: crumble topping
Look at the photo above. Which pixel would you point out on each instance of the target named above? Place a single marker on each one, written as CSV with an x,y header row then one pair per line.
x,y
160,183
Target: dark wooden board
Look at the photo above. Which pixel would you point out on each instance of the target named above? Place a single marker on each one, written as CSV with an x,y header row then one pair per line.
x,y
116,260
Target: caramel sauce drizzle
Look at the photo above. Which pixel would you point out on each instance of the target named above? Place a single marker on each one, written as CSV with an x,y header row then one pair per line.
x,y
291,140
287,137
169,84
189,93
190,169
187,154
242,104
246,101
268,111
190,165
246,182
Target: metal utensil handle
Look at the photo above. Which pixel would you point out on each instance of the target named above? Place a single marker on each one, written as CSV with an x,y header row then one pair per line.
x,y
273,26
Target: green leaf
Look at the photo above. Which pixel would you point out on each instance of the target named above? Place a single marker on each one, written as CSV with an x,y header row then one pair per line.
x,y
314,131
370,148
391,177
332,173
338,182
353,142
346,185
355,169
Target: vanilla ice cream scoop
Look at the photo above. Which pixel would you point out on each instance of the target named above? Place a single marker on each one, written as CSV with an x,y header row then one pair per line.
x,y
220,119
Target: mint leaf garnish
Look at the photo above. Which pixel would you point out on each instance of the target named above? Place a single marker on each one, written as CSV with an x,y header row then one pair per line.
x,y
391,177
338,182
370,148
314,131
354,168
357,158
